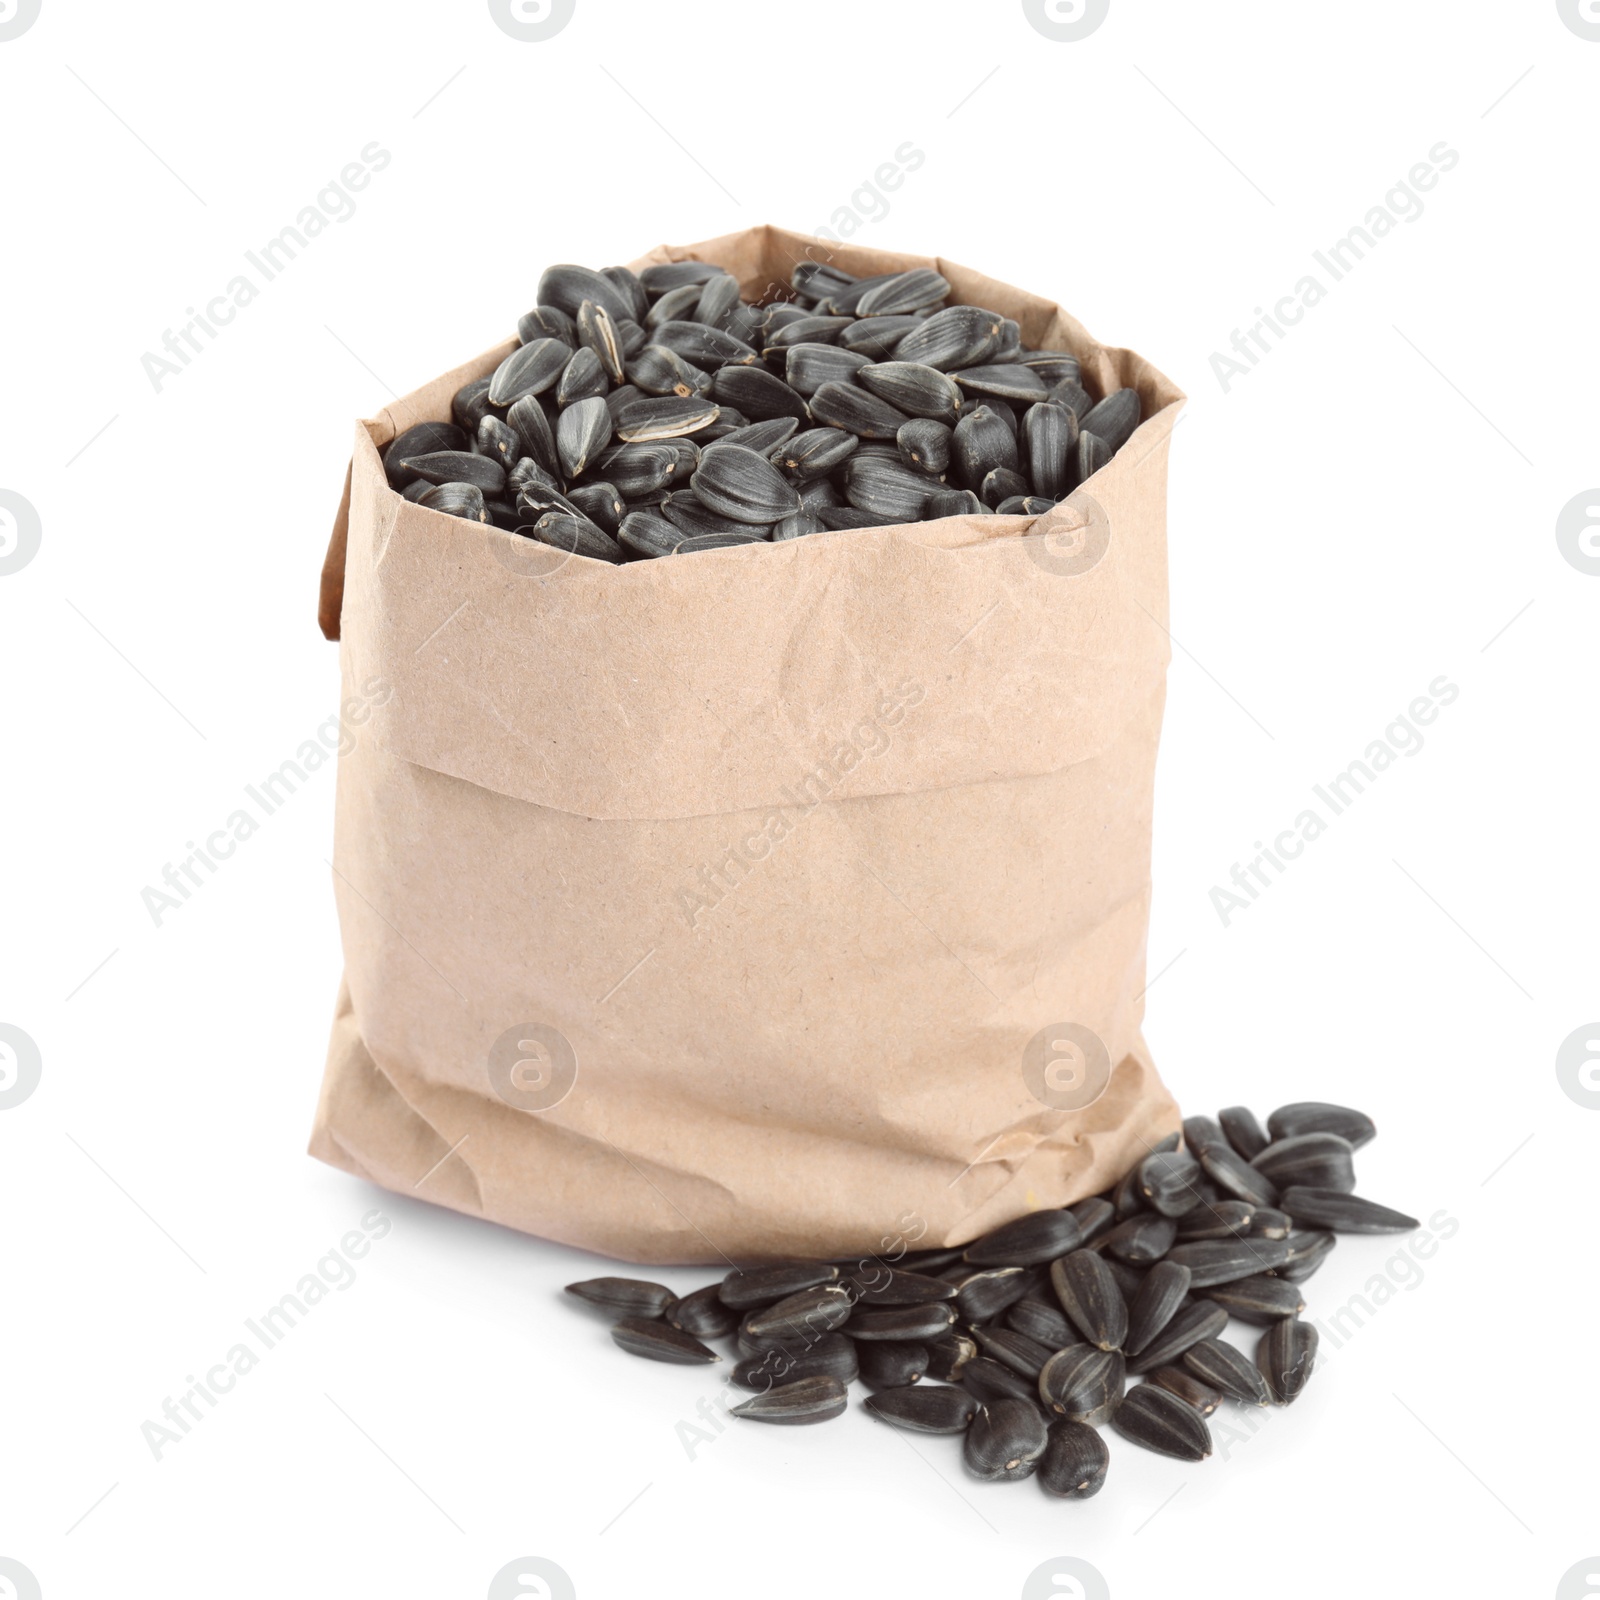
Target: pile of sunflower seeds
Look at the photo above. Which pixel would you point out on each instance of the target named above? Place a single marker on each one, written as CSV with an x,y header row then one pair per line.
x,y
1030,1333
655,413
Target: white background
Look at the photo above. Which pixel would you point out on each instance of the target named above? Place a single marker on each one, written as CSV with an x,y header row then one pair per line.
x,y
1373,506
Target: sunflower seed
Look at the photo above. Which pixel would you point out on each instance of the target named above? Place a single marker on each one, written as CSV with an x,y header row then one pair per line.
x,y
1075,1460
840,517
758,394
831,1356
1126,1196
684,510
1051,432
1141,1239
763,437
1267,1222
503,515
892,1363
925,446
1003,486
601,504
705,347
1020,384
959,336
1071,394
532,427
764,1286
1226,1370
1201,1133
805,1401
917,390
738,483
818,279
1042,1323
702,1313
1188,1388
470,406
566,287
802,1315
1308,1249
903,293
547,322
953,503
892,1286
1083,1383
667,418
948,1356
924,1408
659,371
453,499
658,1341
597,333
1222,1219
989,1379
662,276
876,337
1213,1261
1012,1349
1090,1297
1200,1319
982,1296
639,469
718,297
1309,1161
427,438
1167,1180
628,1297
917,1323
981,442
886,488
856,411
1093,454
716,541
1004,1440
1318,1116
628,286
1114,419
458,466
529,369
1160,1295
582,431
1244,1131
498,442
673,306
815,453
1157,1419
1094,1217
577,535
1343,1213
1259,1299
1286,1354
1237,1177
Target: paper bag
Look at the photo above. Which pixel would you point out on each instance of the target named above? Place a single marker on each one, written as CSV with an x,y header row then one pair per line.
x,y
786,899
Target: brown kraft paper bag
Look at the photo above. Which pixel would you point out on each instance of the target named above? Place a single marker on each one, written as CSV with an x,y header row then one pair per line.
x,y
776,900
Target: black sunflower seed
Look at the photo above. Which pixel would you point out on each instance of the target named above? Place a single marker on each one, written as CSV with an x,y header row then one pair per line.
x,y
737,483
958,336
1018,384
1260,1299
948,1356
1267,1222
1244,1131
1200,1319
1318,1116
1310,1161
1228,1369
1157,1419
876,337
915,389
925,445
989,1379
582,431
980,443
529,369
916,1323
659,1341
1075,1460
1343,1213
669,417
1114,419
807,1400
1141,1239
1187,1387
886,488
1093,454
832,1356
659,371
1126,1196
924,1408
1083,1383
627,1297
758,394
1286,1354
455,500
426,438
1221,1219
954,503
1027,1241
705,347
878,1285
1214,1261
856,411
1012,1349
1154,1306
982,1296
1004,1440
764,1286
1168,1180
597,331
1041,1322
1090,1297
566,287
703,1314
547,322
1094,1217
904,292
577,535
1237,1177
805,1314
458,466
662,276
1308,1249
892,1363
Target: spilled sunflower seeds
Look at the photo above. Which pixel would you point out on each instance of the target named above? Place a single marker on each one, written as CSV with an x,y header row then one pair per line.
x,y
1030,1339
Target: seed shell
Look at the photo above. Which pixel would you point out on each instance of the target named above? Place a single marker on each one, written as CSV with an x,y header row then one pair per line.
x,y
658,1341
892,1363
1027,1241
1004,1440
1157,1419
924,1408
1083,1383
1260,1299
703,1314
765,1286
1075,1460
629,1297
1160,1295
1318,1116
1200,1319
1090,1297
1286,1354
1343,1213
1244,1131
805,1401
1222,1366
1309,1160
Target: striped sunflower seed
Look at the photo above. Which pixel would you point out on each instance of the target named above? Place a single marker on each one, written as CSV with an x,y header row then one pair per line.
x,y
924,1408
982,1296
1318,1116
1213,1261
1090,1297
745,1288
547,322
627,1297
989,1379
1285,1355
1244,1131
892,1363
1343,1213
915,389
582,431
702,1313
738,483
802,1315
1083,1383
1200,1319
1188,1388
1235,1176
669,417
892,1286
1141,1239
1308,1249
659,1341
1094,1217
915,1323
1041,1322
1114,418
529,369
1163,1291
1012,1349
1219,1364
1168,1180
1158,1420
458,466
1004,1440
797,1404
1222,1219
759,395
831,1356
1075,1460
1260,1299
948,1356
454,499
1309,1160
